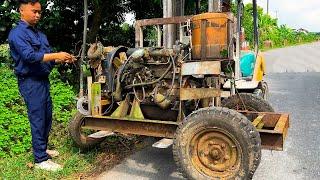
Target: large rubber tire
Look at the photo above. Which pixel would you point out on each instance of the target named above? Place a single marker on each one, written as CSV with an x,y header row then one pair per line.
x,y
81,140
204,125
247,101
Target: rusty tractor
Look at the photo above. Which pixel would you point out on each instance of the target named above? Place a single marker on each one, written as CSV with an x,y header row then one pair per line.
x,y
194,93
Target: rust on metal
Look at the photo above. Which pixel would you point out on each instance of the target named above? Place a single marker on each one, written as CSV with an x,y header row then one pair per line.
x,y
201,68
203,40
132,126
198,93
257,122
275,128
161,21
155,21
215,152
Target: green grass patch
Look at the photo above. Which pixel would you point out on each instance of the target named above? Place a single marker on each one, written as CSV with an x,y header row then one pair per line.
x,y
70,157
15,136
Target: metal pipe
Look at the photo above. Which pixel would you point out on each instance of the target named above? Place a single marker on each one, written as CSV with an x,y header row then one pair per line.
x,y
255,26
170,26
165,27
237,60
159,36
85,26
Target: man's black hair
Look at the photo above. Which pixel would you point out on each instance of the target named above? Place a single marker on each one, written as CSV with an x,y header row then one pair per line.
x,y
27,1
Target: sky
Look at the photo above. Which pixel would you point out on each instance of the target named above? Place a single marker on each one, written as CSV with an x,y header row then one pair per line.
x,y
295,13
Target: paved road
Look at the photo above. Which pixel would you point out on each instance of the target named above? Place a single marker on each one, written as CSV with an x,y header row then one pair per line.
x,y
294,92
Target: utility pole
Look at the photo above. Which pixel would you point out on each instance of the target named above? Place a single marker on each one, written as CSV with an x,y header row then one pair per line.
x,y
268,7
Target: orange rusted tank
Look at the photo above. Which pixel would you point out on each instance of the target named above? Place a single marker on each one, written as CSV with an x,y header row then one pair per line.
x,y
210,30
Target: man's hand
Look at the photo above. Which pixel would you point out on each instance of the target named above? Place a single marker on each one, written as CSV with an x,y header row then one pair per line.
x,y
63,57
60,57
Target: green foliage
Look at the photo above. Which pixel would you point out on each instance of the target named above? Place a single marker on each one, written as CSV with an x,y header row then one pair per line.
x,y
4,55
269,30
15,135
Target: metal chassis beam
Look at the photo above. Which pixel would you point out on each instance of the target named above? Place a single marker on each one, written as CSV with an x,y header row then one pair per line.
x,y
272,137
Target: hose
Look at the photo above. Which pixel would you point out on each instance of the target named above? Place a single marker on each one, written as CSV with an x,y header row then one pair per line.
x,y
172,83
152,82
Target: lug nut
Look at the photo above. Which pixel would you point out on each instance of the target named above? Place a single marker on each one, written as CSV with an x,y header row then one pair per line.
x,y
211,143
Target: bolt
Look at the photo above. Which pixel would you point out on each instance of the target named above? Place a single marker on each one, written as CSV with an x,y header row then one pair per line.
x,y
223,145
211,143
215,153
201,153
206,153
215,162
226,157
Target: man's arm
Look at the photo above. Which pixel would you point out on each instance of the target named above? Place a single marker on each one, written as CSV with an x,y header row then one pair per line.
x,y
28,54
58,57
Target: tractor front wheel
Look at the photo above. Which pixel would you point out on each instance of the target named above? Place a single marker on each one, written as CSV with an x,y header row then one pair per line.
x,y
217,143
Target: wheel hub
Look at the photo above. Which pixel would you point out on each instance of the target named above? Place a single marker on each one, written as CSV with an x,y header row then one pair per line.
x,y
216,152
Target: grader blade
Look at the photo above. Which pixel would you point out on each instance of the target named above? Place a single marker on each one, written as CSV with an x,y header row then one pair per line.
x,y
273,128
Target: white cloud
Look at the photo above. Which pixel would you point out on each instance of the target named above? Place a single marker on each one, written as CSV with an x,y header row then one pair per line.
x,y
294,13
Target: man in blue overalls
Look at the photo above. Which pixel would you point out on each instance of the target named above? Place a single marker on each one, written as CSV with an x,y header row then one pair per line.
x,y
34,61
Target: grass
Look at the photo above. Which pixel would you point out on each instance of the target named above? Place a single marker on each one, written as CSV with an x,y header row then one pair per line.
x,y
74,163
77,164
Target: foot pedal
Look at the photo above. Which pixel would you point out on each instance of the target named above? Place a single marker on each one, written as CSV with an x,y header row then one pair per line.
x,y
101,134
163,143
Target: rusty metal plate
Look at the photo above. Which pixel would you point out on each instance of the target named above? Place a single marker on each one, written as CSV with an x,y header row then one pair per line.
x,y
198,93
201,68
274,130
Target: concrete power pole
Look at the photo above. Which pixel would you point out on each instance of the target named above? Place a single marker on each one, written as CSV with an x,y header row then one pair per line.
x,y
268,7
170,26
214,6
165,27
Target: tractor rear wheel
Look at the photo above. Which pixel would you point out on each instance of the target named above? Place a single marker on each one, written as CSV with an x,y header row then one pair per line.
x,y
80,137
217,143
246,101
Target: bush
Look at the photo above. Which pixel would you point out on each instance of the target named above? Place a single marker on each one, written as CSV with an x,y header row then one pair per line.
x,y
269,30
15,136
4,54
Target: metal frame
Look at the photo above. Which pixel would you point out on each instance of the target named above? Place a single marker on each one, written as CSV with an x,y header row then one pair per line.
x,y
272,127
272,134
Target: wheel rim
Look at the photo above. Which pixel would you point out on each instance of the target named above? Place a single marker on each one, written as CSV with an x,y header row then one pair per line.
x,y
215,152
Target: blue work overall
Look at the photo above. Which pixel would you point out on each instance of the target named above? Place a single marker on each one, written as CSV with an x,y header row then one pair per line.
x,y
27,47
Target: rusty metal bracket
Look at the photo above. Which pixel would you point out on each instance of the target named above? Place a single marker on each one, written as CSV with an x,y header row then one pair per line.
x,y
135,111
123,108
198,93
274,130
201,68
145,127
